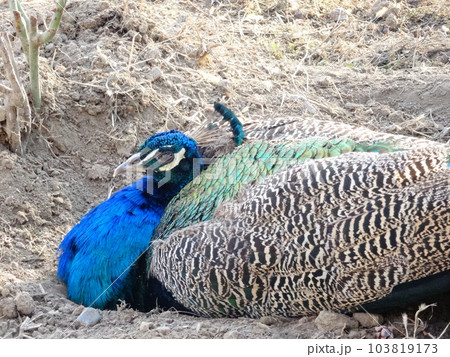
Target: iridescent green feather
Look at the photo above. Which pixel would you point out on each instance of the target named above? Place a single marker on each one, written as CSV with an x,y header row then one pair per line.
x,y
247,164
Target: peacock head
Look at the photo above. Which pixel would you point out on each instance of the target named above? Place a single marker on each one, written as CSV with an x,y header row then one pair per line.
x,y
170,158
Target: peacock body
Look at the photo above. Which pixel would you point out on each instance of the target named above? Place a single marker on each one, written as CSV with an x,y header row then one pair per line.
x,y
331,233
263,231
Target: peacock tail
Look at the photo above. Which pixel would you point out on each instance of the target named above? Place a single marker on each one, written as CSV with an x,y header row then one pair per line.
x,y
329,234
220,141
246,165
300,128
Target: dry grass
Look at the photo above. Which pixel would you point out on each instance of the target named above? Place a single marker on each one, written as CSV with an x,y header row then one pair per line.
x,y
261,57
412,328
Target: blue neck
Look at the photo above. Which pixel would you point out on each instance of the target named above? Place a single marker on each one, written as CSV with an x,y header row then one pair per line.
x,y
100,249
153,193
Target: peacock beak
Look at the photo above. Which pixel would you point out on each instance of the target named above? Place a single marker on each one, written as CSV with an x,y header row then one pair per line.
x,y
133,163
156,160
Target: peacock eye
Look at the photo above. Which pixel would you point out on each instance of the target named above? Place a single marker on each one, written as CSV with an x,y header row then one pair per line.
x,y
165,156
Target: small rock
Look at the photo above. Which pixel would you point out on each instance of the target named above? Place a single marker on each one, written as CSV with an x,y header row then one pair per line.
x,y
42,330
134,34
126,144
299,15
9,308
154,74
57,39
384,332
78,310
20,245
163,330
330,321
50,47
231,334
338,15
145,326
9,201
324,82
94,110
224,84
198,326
101,61
5,292
166,314
153,53
89,317
54,186
382,112
98,171
368,320
21,217
8,164
377,7
104,5
391,21
66,309
254,18
58,200
262,326
268,85
418,32
143,28
356,334
11,287
93,22
3,328
381,9
268,320
75,96
350,105
396,117
25,303
306,319
205,324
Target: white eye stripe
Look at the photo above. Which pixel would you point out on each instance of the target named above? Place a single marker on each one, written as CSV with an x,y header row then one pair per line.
x,y
149,157
134,162
176,160
152,155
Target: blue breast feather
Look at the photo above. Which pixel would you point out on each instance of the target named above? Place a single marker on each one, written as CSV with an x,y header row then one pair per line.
x,y
101,248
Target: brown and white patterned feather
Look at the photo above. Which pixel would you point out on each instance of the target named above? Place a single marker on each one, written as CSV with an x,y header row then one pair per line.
x,y
325,234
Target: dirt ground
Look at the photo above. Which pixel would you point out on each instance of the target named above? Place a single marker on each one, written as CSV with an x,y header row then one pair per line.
x,y
118,71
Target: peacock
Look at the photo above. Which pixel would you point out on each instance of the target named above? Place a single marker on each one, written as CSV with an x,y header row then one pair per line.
x,y
96,257
332,234
196,272
264,231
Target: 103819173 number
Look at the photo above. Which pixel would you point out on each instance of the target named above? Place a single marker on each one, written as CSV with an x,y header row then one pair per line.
x,y
403,348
